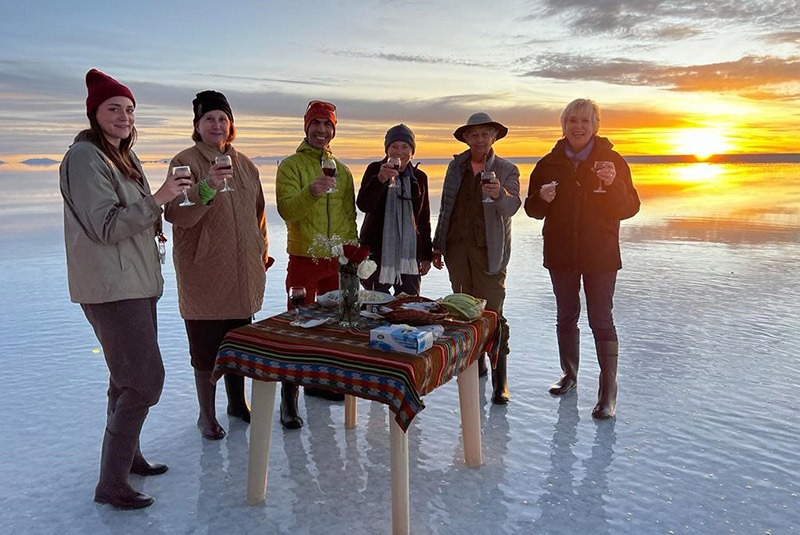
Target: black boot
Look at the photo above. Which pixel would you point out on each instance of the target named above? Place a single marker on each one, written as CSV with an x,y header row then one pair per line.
x,y
483,369
290,392
607,357
569,355
141,467
237,404
499,375
500,381
113,487
206,399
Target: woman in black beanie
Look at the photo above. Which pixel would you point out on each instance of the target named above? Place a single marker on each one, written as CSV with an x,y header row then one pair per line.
x,y
397,225
220,251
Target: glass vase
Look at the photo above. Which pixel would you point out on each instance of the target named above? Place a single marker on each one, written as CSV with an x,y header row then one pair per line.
x,y
349,304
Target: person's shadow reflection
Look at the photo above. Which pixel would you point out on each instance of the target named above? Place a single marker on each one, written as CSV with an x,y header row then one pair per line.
x,y
566,508
594,486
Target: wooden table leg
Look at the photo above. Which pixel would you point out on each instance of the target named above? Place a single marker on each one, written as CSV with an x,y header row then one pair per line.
x,y
469,400
398,440
262,406
350,412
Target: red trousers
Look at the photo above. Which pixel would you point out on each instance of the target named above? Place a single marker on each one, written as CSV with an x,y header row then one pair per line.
x,y
317,276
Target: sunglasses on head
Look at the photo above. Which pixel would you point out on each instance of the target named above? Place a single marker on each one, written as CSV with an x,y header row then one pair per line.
x,y
327,105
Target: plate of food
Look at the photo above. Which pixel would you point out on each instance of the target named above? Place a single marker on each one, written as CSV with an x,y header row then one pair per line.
x,y
366,297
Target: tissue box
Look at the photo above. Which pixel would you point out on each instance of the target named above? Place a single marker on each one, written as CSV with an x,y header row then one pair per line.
x,y
400,339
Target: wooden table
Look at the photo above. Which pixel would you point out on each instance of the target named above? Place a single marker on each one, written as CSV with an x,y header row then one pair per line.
x,y
340,359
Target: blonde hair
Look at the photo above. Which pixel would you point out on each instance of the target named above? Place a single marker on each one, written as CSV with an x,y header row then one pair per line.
x,y
581,106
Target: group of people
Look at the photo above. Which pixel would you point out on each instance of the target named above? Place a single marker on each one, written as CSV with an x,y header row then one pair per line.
x,y
114,246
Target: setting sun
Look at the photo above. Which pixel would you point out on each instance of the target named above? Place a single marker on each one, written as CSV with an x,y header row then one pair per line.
x,y
702,142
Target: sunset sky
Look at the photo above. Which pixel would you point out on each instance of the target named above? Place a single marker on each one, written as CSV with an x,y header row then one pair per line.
x,y
678,77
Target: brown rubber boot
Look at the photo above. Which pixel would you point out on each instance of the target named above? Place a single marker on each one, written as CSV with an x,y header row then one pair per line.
x,y
569,355
206,399
113,487
142,467
607,357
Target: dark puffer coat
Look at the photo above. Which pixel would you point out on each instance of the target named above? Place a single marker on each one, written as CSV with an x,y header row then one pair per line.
x,y
581,228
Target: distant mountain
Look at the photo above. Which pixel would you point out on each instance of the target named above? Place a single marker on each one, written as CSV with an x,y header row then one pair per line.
x,y
267,159
2,162
39,161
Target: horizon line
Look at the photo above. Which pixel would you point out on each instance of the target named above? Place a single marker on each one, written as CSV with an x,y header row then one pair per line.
x,y
765,157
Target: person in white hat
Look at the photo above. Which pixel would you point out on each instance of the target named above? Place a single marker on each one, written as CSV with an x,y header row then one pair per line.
x,y
473,233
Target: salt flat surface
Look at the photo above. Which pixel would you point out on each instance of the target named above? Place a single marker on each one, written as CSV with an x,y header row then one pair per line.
x,y
705,440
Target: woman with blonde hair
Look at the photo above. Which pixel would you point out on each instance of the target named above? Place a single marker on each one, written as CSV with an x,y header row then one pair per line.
x,y
583,189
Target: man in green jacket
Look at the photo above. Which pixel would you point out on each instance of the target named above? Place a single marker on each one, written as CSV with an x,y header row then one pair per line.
x,y
318,210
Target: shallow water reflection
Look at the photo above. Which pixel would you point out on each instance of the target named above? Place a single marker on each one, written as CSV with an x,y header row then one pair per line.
x,y
704,441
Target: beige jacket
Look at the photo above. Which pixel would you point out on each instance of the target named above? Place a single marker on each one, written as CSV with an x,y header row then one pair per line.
x,y
109,230
219,249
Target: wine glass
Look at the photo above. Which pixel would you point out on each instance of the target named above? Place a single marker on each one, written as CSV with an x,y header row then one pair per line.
x,y
598,165
297,296
329,169
394,163
225,163
486,178
183,171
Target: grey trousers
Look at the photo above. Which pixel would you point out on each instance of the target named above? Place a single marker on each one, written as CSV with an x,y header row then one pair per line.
x,y
128,333
466,267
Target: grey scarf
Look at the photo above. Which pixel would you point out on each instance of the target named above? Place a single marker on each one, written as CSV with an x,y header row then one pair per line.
x,y
399,251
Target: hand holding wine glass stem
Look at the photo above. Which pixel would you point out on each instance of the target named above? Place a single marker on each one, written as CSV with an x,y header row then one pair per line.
x,y
172,187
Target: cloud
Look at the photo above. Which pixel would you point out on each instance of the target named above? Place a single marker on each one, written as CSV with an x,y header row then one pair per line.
x,y
681,18
761,77
407,58
778,38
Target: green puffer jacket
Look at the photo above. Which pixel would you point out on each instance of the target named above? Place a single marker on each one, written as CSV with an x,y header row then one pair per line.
x,y
332,214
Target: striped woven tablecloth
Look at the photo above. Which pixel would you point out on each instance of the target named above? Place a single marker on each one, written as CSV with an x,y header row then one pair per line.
x,y
341,359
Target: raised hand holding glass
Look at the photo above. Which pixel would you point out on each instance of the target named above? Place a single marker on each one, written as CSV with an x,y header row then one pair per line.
x,y
598,165
487,177
224,162
394,163
183,171
329,169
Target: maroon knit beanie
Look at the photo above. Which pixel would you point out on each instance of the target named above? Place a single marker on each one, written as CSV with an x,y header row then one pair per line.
x,y
102,87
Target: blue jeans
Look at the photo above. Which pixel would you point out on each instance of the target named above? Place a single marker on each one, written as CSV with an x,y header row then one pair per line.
x,y
599,291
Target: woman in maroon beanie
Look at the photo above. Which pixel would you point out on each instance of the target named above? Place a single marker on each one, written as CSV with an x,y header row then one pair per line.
x,y
111,224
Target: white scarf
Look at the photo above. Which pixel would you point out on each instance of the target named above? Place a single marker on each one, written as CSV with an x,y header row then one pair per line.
x,y
399,250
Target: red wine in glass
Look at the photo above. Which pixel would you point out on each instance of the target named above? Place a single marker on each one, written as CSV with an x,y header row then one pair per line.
x,y
394,163
224,162
183,171
297,296
487,178
329,169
